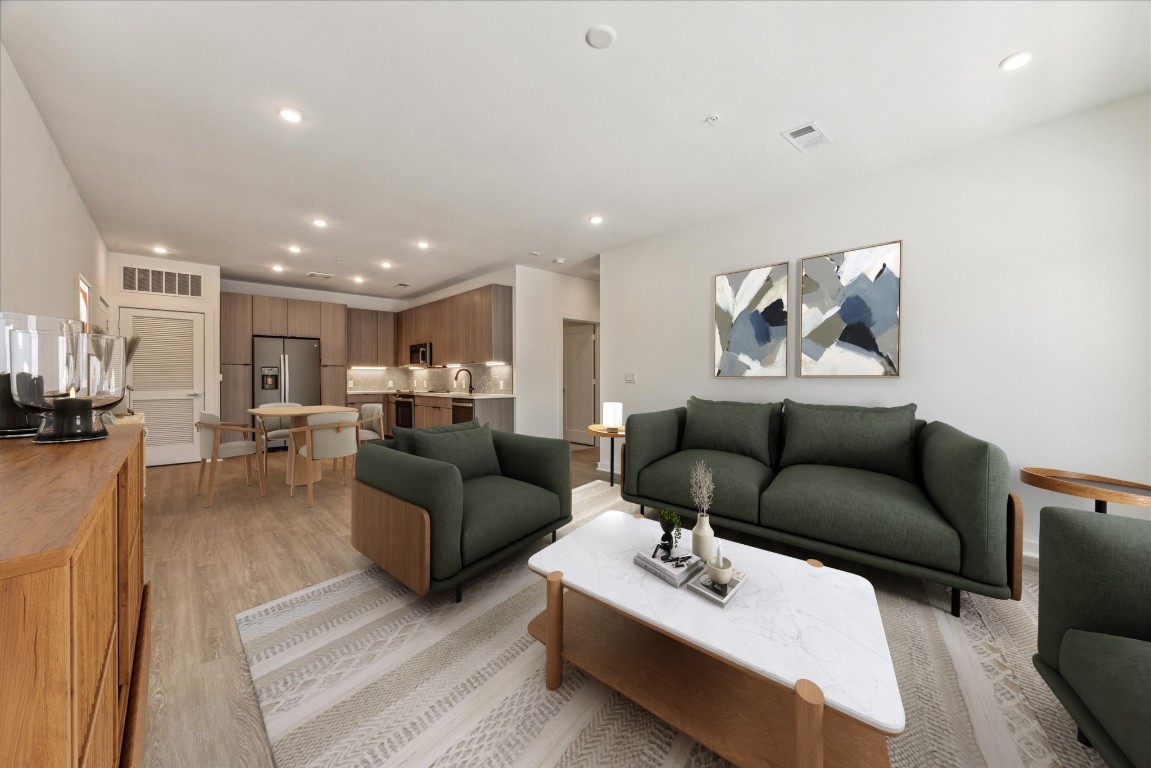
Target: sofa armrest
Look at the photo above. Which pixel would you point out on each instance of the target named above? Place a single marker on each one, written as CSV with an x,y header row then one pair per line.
x,y
432,485
541,461
967,480
650,437
1095,575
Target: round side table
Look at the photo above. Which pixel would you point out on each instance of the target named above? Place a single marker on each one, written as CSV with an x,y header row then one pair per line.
x,y
1101,489
599,430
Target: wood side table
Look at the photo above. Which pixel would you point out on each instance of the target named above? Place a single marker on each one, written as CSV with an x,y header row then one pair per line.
x,y
599,430
1101,489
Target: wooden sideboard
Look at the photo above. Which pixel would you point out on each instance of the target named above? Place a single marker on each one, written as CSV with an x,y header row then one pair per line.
x,y
74,611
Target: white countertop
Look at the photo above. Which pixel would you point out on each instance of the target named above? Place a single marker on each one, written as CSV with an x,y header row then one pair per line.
x,y
460,395
791,621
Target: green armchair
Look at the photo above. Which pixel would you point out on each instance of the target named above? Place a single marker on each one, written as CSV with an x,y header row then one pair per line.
x,y
1095,628
437,506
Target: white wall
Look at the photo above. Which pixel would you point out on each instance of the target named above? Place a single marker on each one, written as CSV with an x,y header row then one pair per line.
x,y
47,236
1026,317
543,300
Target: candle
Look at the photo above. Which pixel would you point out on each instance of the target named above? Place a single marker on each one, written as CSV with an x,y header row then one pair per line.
x,y
71,415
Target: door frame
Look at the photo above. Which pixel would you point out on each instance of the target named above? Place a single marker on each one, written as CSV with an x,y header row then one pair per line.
x,y
596,373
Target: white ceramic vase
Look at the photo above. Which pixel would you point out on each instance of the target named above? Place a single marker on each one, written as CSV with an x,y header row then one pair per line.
x,y
703,538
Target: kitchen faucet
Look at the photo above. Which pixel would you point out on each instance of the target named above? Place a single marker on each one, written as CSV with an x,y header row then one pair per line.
x,y
469,373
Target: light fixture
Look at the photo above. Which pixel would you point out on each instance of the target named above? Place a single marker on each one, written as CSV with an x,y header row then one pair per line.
x,y
358,279
422,245
386,265
1016,60
495,362
159,250
320,223
559,260
291,115
612,416
600,36
294,248
596,220
277,268
454,365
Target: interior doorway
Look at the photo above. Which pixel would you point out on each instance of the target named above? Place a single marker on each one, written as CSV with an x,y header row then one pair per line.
x,y
581,380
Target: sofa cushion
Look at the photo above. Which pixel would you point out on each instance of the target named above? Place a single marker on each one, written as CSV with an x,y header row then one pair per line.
x,y
862,510
875,439
498,511
403,435
720,425
739,481
470,450
1112,675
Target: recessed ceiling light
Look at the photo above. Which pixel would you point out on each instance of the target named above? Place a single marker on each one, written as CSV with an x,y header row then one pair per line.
x,y
358,279
597,220
159,250
291,115
320,223
600,36
534,253
422,245
560,260
1016,60
294,248
386,265
277,268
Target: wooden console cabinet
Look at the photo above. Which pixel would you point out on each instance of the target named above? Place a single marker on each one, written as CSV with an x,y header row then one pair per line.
x,y
74,611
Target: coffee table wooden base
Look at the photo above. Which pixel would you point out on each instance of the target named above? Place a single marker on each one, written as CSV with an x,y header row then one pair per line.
x,y
746,718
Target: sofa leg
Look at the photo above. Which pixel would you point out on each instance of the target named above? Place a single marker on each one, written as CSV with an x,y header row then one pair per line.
x,y
554,538
1081,737
459,593
955,593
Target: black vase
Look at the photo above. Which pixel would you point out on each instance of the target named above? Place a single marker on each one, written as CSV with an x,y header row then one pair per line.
x,y
668,540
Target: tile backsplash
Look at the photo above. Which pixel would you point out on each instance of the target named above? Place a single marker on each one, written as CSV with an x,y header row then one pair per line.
x,y
485,378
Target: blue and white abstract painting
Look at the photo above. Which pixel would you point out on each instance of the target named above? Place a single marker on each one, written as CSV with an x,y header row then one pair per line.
x,y
751,322
850,306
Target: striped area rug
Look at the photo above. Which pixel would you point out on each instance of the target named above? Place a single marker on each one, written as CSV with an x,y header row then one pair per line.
x,y
357,671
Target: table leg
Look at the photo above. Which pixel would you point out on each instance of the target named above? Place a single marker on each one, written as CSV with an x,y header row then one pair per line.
x,y
555,630
1101,506
611,459
808,725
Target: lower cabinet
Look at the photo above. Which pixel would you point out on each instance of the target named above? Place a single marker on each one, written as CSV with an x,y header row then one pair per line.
x,y
432,412
333,385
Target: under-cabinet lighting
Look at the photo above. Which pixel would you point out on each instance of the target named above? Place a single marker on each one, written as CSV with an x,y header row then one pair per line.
x,y
495,362
454,365
369,367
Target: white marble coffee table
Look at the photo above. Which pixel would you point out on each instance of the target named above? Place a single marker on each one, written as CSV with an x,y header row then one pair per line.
x,y
749,680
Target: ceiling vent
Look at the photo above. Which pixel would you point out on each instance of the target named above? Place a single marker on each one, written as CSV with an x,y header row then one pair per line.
x,y
806,137
320,275
143,280
403,285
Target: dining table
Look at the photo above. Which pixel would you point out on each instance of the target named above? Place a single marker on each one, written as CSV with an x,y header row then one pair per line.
x,y
299,418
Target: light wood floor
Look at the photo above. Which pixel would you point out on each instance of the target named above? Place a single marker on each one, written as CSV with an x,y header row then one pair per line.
x,y
207,565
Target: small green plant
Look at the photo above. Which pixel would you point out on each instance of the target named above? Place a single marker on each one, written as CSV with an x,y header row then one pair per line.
x,y
667,516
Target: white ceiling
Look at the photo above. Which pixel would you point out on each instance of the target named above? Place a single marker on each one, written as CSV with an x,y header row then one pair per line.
x,y
491,129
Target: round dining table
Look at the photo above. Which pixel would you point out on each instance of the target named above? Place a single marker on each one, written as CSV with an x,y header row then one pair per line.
x,y
299,415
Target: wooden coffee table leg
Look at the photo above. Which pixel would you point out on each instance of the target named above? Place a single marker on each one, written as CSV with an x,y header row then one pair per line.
x,y
808,725
555,630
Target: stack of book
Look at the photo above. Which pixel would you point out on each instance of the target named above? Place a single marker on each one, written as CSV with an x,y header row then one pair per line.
x,y
677,571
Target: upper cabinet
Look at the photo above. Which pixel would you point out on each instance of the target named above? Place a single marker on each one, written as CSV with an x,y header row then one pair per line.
x,y
235,329
333,334
269,316
386,339
304,319
371,338
470,327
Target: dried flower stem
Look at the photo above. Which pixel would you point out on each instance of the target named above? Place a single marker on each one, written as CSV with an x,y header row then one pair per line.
x,y
702,486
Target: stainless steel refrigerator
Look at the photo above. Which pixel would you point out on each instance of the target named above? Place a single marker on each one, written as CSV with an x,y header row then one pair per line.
x,y
285,371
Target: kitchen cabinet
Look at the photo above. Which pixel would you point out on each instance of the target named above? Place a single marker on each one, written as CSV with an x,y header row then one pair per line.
x,y
269,316
372,338
235,329
304,319
333,385
499,413
235,398
333,334
391,410
386,340
470,327
432,412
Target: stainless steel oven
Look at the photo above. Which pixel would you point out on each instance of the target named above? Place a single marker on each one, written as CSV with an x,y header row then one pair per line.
x,y
405,407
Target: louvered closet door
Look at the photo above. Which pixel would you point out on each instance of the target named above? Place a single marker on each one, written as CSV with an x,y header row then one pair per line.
x,y
167,378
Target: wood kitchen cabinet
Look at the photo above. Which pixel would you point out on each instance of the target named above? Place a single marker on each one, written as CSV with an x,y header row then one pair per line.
x,y
391,410
386,340
333,334
432,411
371,338
235,398
333,385
304,319
269,316
470,327
235,329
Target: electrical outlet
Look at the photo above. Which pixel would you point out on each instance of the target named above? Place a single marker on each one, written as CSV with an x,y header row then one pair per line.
x,y
391,384
351,383
629,378
501,383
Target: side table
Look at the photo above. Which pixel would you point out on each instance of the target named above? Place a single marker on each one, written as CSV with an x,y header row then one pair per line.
x,y
599,430
1101,489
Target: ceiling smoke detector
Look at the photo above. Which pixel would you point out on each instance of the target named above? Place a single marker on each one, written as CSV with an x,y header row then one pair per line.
x,y
806,137
403,285
320,275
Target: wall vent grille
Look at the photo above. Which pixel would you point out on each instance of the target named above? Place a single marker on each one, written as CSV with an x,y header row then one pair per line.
x,y
806,137
143,280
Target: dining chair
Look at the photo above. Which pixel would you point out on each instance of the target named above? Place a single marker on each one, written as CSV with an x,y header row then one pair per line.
x,y
372,416
327,436
273,428
212,450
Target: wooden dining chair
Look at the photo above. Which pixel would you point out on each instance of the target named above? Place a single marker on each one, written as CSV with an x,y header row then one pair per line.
x,y
273,428
212,450
327,436
371,422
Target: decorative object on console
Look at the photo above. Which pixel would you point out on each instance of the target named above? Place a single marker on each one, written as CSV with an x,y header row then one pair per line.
x,y
676,567
722,594
850,305
612,416
672,529
751,322
15,420
702,491
68,379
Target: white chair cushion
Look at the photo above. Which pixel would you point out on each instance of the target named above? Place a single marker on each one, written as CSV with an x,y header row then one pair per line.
x,y
237,448
330,443
367,434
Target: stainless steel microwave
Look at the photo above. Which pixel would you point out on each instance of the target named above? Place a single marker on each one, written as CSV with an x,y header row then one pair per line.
x,y
420,354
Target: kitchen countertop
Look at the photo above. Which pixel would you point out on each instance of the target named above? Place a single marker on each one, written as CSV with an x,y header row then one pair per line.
x,y
459,395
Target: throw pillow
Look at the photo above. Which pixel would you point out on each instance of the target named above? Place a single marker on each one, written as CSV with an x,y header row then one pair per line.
x,y
875,439
470,450
403,435
720,425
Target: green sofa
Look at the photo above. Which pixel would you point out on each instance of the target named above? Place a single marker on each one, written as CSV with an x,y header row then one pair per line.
x,y
871,485
1095,628
436,506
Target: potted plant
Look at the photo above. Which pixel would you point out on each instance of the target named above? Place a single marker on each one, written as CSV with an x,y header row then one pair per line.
x,y
672,529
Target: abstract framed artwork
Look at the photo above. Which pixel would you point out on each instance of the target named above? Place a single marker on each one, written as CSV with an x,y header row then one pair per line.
x,y
850,304
751,322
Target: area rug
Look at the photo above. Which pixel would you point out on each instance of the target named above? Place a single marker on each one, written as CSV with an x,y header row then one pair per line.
x,y
358,671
